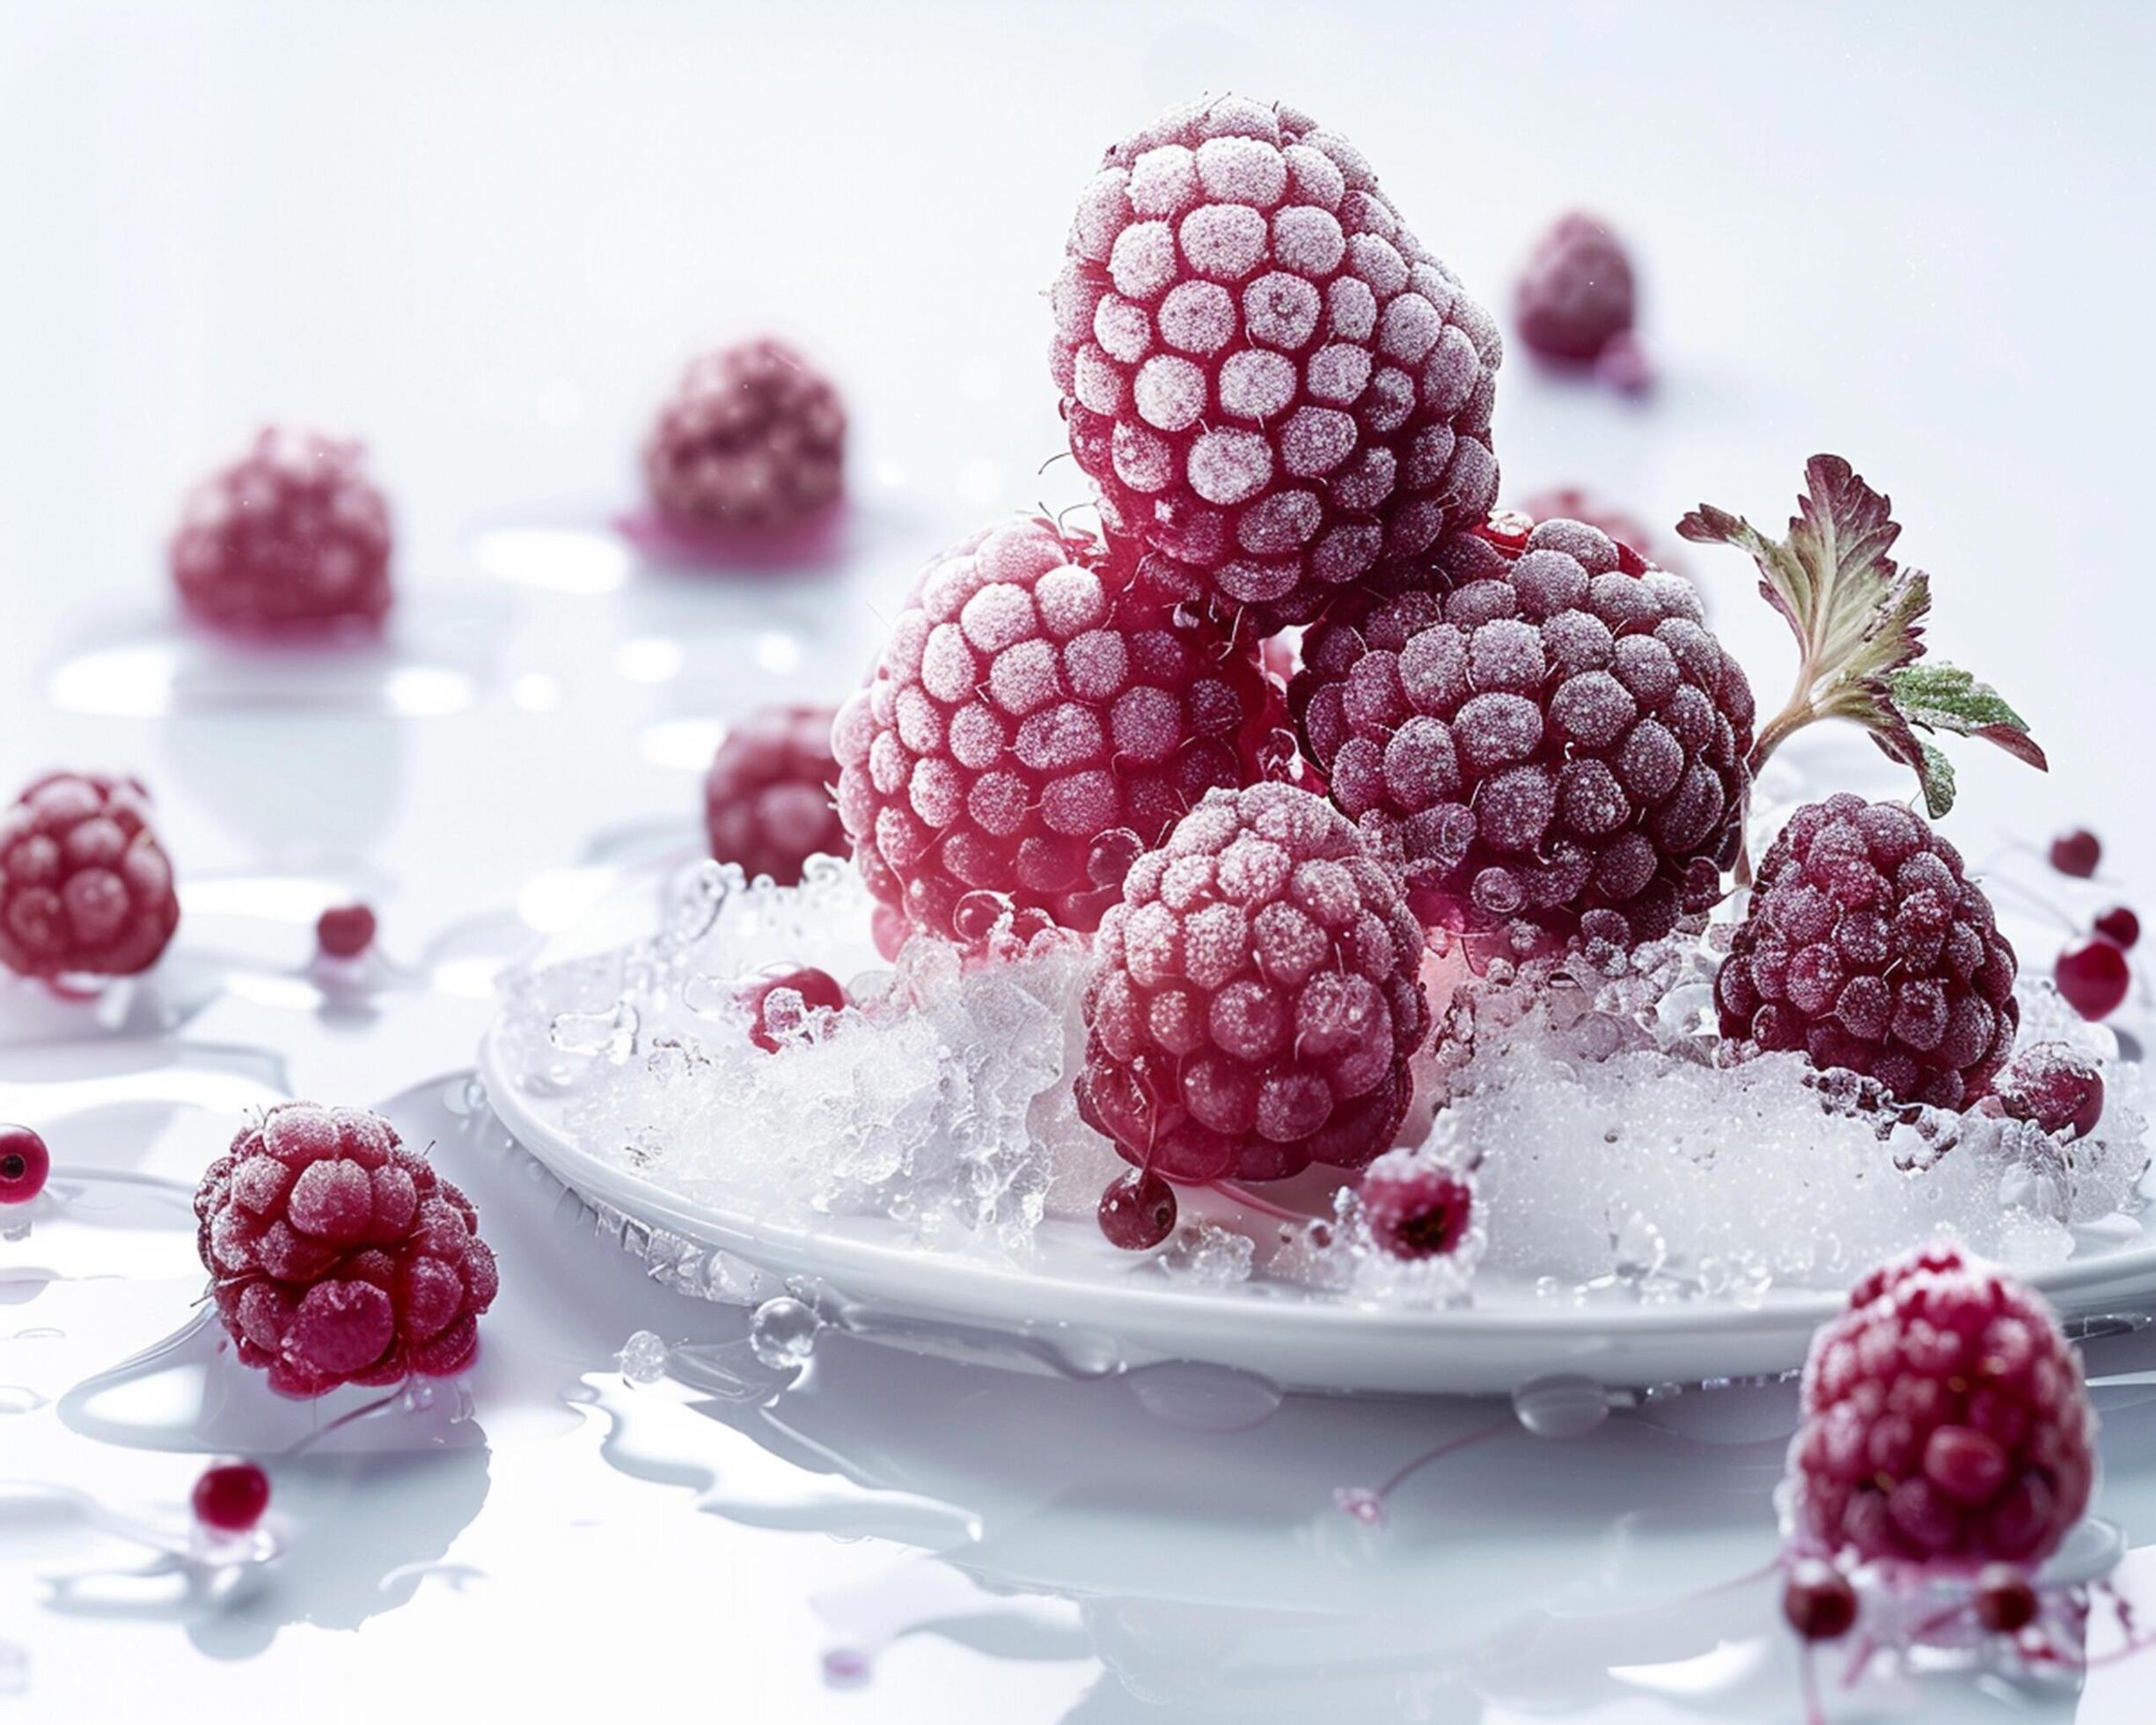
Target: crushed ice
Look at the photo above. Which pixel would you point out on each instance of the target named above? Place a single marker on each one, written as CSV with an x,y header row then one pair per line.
x,y
1614,1154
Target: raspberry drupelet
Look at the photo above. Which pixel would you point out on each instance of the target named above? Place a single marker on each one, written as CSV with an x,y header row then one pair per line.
x,y
1944,1420
1031,726
1865,948
1276,388
293,535
1416,1206
337,1255
767,797
1255,997
753,435
85,886
1549,731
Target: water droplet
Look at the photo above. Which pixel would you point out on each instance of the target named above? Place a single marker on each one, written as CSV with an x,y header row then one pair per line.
x,y
1560,1406
643,1358
782,1333
974,917
1360,1503
1110,857
1204,1398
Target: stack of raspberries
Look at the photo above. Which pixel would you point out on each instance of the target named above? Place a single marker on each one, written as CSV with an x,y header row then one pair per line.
x,y
1518,732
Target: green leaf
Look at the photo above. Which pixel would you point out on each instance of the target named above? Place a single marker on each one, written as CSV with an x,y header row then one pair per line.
x,y
1859,620
1944,697
1935,774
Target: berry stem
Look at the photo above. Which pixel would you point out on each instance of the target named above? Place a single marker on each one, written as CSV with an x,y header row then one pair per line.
x,y
1249,1199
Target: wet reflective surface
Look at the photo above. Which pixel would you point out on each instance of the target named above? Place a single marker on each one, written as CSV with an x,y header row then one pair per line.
x,y
721,1524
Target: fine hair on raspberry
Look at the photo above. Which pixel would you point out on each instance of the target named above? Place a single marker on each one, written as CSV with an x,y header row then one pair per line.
x,y
1032,725
1257,996
337,1255
1547,731
1274,384
1865,947
85,888
1944,1420
294,533
767,796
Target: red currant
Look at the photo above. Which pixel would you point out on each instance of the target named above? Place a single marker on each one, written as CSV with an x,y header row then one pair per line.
x,y
344,931
1138,1211
1819,1602
2094,975
2119,926
2077,853
2005,1602
23,1163
231,1497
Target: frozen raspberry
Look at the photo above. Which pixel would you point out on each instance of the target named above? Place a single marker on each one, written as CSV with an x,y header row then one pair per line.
x,y
1031,727
85,886
1416,1207
1551,733
1255,997
2004,1600
1275,387
231,1497
753,435
1944,1418
2056,1085
336,1255
767,797
2077,853
1576,292
344,931
2119,926
1573,503
25,1162
295,533
780,998
2094,977
1865,948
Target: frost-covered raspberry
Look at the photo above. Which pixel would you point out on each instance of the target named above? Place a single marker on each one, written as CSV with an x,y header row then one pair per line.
x,y
1865,948
1032,726
336,1255
2056,1085
753,435
295,532
1944,1418
1576,293
1551,731
767,797
85,886
1274,385
1256,998
1416,1206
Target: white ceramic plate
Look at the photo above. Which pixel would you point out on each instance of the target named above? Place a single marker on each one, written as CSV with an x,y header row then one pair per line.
x,y
1082,1296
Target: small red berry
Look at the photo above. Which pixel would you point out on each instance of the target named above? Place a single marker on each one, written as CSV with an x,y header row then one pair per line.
x,y
344,931
2119,926
1416,1207
2005,1602
23,1163
1819,1602
1576,295
231,1497
2077,853
801,988
2093,976
1138,1210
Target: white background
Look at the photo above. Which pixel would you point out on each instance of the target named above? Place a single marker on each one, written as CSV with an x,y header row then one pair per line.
x,y
484,237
